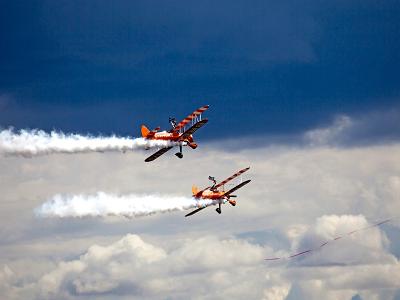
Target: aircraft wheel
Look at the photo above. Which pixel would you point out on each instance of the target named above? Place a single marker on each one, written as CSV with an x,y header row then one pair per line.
x,y
180,155
218,210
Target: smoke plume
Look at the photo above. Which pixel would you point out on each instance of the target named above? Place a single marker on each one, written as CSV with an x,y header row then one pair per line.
x,y
30,143
103,204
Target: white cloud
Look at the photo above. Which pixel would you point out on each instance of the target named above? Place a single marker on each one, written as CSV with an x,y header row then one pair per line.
x,y
377,127
331,134
298,196
148,270
213,268
349,249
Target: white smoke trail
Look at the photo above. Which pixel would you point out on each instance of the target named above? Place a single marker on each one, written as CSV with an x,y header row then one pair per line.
x,y
30,143
102,205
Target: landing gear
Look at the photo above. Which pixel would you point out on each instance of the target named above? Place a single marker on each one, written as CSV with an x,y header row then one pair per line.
x,y
179,154
218,210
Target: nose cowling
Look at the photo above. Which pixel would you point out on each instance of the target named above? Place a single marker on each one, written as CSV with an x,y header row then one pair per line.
x,y
192,145
190,142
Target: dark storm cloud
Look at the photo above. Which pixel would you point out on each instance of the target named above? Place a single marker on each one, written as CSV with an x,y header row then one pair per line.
x,y
268,67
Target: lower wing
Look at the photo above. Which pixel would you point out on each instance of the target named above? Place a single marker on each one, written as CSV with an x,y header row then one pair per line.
x,y
237,187
157,154
195,211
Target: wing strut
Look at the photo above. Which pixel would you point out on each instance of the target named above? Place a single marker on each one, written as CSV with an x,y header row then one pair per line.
x,y
190,117
192,129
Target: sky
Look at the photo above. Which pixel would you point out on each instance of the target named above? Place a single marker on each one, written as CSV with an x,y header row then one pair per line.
x,y
306,94
280,67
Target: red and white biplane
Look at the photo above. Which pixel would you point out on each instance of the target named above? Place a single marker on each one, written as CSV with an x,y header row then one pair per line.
x,y
177,133
217,193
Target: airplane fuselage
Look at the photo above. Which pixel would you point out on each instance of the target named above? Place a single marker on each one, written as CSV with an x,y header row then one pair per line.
x,y
217,197
174,137
213,195
166,136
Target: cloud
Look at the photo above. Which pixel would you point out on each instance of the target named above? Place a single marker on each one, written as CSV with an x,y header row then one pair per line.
x,y
297,197
372,128
331,134
133,266
349,249
5,101
213,268
205,33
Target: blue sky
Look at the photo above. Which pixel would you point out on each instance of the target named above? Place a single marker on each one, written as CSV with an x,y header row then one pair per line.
x,y
272,67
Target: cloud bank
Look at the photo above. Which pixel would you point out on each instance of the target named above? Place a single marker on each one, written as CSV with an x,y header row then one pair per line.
x,y
212,268
299,197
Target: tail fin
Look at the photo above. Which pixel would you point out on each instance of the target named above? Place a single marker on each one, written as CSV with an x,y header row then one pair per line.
x,y
145,131
195,190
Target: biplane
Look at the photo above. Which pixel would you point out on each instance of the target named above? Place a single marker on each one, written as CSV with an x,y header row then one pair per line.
x,y
177,134
217,193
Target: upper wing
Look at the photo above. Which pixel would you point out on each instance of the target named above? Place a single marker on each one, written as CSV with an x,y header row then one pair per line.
x,y
195,211
157,154
237,187
190,117
192,129
232,177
